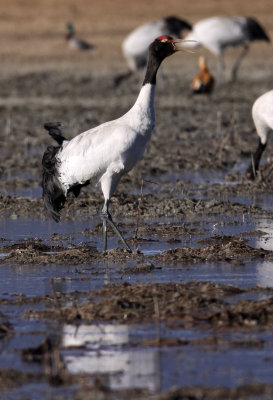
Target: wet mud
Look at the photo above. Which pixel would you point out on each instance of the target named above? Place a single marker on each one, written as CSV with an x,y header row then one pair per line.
x,y
185,304
213,308
222,248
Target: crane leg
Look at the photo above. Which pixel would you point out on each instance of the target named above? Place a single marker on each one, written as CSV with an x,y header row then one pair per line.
x,y
236,65
106,217
221,68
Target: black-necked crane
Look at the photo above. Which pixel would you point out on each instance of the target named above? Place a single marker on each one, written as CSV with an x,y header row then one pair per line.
x,y
219,33
105,153
262,114
74,42
204,81
135,45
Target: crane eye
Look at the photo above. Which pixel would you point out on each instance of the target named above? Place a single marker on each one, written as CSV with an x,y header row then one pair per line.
x,y
164,40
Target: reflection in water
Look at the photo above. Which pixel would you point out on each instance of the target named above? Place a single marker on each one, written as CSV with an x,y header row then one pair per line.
x,y
265,274
264,269
95,336
104,353
265,241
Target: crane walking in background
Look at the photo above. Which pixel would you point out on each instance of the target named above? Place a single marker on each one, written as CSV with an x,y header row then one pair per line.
x,y
219,33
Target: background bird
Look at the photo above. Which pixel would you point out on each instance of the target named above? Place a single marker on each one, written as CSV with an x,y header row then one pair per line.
x,y
107,152
204,81
219,33
262,114
135,46
74,42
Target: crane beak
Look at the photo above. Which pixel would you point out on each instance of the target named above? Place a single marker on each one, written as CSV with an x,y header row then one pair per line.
x,y
181,45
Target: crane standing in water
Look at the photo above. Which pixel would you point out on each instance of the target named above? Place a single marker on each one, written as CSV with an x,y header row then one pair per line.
x,y
107,152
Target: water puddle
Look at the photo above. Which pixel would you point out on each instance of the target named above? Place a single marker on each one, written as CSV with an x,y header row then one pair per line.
x,y
261,200
3,255
201,177
41,391
14,230
34,280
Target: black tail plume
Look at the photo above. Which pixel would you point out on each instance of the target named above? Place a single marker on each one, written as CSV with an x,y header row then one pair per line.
x,y
255,30
55,132
53,194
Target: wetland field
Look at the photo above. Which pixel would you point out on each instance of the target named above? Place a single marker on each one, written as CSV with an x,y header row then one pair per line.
x,y
187,315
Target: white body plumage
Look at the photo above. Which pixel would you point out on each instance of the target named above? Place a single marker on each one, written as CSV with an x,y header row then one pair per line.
x,y
108,151
262,114
217,33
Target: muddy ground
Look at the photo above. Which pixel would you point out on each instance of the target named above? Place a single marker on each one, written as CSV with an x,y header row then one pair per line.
x,y
186,203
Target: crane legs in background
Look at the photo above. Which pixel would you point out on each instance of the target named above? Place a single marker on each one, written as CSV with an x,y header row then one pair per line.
x,y
221,68
234,69
238,62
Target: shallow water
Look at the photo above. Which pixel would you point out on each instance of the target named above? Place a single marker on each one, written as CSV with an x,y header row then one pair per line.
x,y
40,391
114,351
14,230
34,280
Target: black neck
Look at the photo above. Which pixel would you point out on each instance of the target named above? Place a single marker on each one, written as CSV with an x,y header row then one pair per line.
x,y
151,71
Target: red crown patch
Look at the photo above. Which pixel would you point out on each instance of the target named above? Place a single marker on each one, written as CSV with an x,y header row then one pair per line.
x,y
164,38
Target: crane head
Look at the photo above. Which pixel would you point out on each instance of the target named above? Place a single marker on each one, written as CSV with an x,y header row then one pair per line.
x,y
166,45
